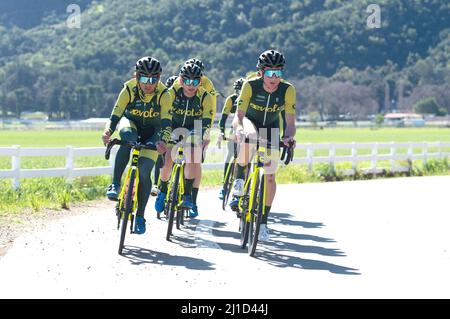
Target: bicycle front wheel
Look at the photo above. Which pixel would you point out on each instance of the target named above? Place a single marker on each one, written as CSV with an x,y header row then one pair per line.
x,y
256,212
127,209
172,202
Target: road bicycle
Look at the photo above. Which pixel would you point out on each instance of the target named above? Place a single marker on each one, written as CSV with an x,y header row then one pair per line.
x,y
252,204
175,191
128,197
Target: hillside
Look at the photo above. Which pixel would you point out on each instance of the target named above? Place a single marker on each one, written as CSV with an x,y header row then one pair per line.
x,y
77,73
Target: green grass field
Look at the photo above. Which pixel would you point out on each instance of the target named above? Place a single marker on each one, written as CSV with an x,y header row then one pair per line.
x,y
36,194
59,138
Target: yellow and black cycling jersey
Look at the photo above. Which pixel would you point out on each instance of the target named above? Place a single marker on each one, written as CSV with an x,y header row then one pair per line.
x,y
144,110
264,108
229,107
186,110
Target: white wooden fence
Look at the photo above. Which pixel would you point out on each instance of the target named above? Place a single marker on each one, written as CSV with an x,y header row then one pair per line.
x,y
441,151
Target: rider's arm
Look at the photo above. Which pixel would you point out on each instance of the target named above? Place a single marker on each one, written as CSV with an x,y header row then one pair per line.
x,y
243,102
226,110
290,100
166,102
122,101
209,87
207,117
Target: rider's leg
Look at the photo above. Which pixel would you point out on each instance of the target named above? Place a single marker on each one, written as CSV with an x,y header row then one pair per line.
x,y
158,166
127,132
166,170
246,153
270,168
145,165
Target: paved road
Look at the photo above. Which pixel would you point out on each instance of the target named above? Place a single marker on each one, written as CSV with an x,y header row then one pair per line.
x,y
365,239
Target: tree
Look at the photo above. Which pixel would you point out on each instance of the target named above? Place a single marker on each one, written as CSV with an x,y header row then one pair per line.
x,y
429,106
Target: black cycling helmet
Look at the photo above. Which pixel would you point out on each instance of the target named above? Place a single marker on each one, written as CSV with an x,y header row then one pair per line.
x,y
271,59
169,81
148,65
197,62
191,71
237,85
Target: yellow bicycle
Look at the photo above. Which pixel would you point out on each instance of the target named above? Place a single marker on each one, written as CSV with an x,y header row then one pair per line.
x,y
252,205
127,200
175,191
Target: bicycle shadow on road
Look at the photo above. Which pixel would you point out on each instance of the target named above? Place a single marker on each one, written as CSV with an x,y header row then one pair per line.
x,y
139,256
271,251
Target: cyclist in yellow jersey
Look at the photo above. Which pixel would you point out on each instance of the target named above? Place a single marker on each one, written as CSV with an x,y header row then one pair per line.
x,y
159,162
206,84
229,108
260,103
145,104
191,113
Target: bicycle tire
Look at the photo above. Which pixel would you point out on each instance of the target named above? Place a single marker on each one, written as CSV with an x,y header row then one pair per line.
x,y
127,209
229,179
256,218
180,213
243,223
173,199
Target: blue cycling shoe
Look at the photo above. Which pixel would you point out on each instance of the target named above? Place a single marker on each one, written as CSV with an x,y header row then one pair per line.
x,y
194,211
234,204
112,191
221,194
139,225
160,201
187,202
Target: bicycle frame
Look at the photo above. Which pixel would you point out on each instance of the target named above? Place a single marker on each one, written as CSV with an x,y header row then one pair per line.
x,y
179,162
134,166
257,166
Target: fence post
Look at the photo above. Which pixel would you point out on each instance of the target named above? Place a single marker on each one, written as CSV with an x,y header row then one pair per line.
x,y
332,155
424,154
410,156
69,164
441,155
354,157
309,156
374,157
15,163
393,155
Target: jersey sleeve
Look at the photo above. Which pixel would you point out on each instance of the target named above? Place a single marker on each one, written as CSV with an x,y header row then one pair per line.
x,y
290,100
209,87
207,118
166,101
226,110
121,104
244,97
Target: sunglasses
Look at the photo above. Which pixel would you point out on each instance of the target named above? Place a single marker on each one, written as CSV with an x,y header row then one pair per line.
x,y
194,82
148,80
271,73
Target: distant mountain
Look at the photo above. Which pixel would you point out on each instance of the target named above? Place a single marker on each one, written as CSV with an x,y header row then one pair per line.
x,y
71,72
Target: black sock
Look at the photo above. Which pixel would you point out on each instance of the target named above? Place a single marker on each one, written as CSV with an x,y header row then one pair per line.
x,y
194,195
240,172
188,184
163,187
266,215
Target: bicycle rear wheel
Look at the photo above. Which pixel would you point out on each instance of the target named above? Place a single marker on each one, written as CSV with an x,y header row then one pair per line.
x,y
127,209
256,212
172,202
229,179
